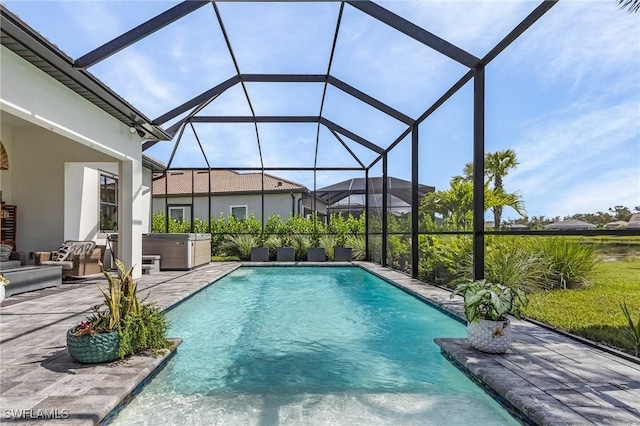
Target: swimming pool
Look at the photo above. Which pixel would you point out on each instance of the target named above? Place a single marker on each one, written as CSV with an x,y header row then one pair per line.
x,y
305,345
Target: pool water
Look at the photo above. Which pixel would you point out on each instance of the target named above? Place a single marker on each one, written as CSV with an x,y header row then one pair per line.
x,y
312,346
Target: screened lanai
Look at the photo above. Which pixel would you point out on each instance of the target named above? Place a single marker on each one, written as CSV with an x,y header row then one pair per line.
x,y
319,92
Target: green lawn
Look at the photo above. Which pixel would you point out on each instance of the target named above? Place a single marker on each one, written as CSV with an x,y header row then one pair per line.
x,y
594,312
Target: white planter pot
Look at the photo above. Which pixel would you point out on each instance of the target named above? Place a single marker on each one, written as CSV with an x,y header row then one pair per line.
x,y
490,336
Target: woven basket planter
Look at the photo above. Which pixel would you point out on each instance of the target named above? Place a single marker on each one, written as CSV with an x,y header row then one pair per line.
x,y
490,336
93,349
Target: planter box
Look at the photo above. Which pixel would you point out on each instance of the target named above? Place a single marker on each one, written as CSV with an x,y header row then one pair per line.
x,y
316,254
260,254
286,254
342,254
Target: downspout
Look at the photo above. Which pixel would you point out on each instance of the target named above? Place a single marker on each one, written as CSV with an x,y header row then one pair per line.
x,y
293,205
300,205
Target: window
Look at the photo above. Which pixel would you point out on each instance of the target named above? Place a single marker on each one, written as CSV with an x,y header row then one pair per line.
x,y
239,212
176,213
108,203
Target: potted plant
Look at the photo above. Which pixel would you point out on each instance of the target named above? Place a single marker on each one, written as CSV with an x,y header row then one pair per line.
x,y
315,252
487,307
286,252
124,327
342,253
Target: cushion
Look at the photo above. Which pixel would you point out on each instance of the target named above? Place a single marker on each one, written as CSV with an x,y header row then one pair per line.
x,y
63,252
8,264
65,264
81,247
5,251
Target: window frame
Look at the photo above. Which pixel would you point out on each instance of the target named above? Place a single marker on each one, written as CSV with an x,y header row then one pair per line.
x,y
102,185
181,208
245,207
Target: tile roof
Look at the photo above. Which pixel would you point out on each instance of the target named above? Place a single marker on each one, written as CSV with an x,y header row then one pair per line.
x,y
223,182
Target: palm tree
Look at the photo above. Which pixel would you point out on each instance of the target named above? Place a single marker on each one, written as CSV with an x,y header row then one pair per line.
x,y
496,167
455,204
633,6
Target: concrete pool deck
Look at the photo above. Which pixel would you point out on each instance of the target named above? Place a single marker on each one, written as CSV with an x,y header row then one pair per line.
x,y
552,379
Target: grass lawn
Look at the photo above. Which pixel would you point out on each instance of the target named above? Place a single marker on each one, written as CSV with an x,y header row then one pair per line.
x,y
594,312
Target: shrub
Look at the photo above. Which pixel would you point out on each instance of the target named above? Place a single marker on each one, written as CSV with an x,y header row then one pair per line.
x,y
510,261
445,259
329,241
632,332
567,263
239,245
145,331
301,245
272,242
359,249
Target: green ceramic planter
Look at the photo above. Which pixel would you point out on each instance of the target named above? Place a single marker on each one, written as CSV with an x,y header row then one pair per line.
x,y
93,349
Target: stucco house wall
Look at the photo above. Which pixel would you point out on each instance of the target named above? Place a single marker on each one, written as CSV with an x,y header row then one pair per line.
x,y
282,204
48,127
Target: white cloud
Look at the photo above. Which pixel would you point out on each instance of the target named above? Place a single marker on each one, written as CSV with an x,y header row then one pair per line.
x,y
615,187
475,26
579,39
571,155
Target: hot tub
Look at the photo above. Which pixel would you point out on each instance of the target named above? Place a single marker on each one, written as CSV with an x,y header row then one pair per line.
x,y
178,251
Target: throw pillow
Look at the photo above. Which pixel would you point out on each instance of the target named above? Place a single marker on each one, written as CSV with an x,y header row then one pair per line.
x,y
5,251
62,253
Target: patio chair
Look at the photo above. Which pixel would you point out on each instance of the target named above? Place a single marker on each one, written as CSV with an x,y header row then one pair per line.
x,y
77,258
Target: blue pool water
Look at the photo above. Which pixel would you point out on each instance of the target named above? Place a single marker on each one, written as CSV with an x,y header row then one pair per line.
x,y
312,346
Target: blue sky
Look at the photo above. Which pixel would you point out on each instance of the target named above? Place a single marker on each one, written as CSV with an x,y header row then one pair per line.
x,y
565,96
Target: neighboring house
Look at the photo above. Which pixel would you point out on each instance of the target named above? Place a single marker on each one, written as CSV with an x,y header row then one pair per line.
x,y
75,163
634,221
570,225
516,227
619,224
184,193
348,197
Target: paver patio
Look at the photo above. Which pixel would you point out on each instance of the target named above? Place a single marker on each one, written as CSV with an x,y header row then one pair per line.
x,y
549,377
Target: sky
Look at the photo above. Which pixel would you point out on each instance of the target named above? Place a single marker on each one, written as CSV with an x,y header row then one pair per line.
x,y
565,96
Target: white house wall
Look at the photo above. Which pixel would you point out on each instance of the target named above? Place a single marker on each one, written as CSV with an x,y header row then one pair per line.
x,y
39,189
82,189
5,175
280,204
147,183
65,128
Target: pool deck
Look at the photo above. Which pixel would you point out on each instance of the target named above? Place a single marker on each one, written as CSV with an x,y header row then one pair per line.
x,y
552,379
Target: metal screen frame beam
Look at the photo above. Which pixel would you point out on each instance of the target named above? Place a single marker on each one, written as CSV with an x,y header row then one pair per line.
x,y
415,32
415,201
195,102
344,144
478,172
344,132
283,78
370,100
527,22
138,33
385,193
367,257
256,119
